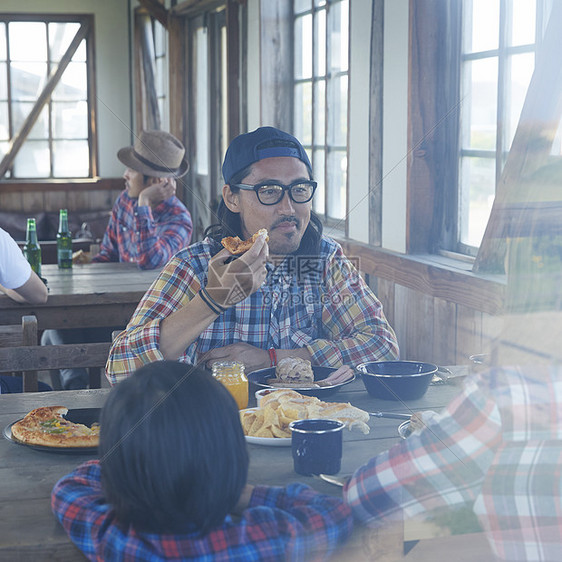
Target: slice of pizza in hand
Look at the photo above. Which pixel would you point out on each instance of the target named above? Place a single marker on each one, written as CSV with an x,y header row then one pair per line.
x,y
47,427
237,246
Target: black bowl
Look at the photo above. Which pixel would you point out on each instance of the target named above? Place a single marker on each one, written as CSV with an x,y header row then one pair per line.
x,y
396,380
259,378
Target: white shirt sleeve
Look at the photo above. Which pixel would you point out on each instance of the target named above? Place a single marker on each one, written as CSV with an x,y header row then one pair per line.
x,y
14,269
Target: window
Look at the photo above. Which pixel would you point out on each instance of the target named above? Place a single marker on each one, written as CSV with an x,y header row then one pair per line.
x,y
60,142
499,42
321,73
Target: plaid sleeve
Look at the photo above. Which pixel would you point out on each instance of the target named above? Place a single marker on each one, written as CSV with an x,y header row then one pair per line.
x,y
159,240
139,343
77,503
352,319
444,465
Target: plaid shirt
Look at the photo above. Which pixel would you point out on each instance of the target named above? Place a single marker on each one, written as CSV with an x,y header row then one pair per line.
x,y
332,313
498,447
145,236
292,523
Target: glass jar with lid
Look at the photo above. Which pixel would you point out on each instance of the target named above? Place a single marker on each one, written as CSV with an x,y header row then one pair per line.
x,y
232,375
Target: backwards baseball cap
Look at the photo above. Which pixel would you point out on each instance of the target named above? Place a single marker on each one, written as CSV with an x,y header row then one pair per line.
x,y
265,142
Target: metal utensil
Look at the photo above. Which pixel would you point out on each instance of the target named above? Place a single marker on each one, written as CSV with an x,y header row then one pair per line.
x,y
392,415
340,481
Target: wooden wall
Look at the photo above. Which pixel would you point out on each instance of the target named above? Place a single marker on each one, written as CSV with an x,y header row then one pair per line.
x,y
441,313
94,195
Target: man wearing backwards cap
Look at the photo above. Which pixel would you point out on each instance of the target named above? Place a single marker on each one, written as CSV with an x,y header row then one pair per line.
x,y
148,224
297,295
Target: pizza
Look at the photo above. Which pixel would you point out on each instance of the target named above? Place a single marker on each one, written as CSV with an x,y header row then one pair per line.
x,y
47,427
237,246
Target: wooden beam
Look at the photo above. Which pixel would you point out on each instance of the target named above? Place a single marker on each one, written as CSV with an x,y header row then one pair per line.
x,y
540,118
233,66
156,10
43,98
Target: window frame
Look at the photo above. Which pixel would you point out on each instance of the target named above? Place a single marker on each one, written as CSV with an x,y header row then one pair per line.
x,y
93,159
315,78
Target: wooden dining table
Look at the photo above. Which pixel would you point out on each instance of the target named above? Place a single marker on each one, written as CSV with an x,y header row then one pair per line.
x,y
28,529
86,296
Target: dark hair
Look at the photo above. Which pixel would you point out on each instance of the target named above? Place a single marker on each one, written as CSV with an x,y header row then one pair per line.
x,y
172,450
229,223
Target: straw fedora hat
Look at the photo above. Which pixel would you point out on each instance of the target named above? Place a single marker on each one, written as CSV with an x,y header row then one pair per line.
x,y
157,154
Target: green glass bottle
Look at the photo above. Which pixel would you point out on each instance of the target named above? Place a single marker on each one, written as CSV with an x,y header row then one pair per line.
x,y
64,242
31,249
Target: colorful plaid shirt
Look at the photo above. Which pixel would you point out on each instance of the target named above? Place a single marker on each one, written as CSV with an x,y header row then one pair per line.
x,y
292,523
145,236
497,447
332,312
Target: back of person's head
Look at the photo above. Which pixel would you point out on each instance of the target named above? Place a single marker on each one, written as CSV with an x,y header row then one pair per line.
x,y
172,450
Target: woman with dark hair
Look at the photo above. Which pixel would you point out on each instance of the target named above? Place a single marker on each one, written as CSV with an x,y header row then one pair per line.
x,y
172,471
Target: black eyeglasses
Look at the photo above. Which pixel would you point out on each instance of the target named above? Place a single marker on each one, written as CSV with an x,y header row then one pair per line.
x,y
270,193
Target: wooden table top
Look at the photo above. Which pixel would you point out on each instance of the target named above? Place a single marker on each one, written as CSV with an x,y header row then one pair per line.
x,y
84,296
28,528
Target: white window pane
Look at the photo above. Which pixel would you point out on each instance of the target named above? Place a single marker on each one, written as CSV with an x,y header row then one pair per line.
x,y
21,48
70,120
319,2
3,81
337,111
70,159
4,131
478,186
28,80
521,69
21,110
523,22
160,76
318,169
320,45
303,113
481,25
61,35
479,108
336,178
303,47
3,149
73,83
320,112
201,102
557,144
3,50
159,40
302,6
338,25
32,160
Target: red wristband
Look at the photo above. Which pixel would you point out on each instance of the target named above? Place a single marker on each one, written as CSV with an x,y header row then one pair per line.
x,y
272,357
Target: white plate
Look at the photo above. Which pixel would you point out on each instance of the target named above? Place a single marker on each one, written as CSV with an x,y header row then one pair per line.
x,y
269,441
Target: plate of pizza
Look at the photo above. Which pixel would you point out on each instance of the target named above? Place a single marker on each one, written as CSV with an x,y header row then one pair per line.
x,y
57,429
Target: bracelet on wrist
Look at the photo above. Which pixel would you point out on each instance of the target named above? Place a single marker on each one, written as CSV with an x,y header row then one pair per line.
x,y
272,357
210,302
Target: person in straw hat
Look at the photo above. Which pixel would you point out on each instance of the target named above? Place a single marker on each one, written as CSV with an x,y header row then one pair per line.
x,y
148,224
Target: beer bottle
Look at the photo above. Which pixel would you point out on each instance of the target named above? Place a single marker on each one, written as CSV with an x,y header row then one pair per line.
x,y
31,249
64,242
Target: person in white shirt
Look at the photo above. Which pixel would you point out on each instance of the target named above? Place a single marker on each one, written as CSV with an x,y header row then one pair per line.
x,y
22,284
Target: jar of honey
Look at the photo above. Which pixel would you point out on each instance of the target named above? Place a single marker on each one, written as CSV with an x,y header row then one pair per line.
x,y
231,374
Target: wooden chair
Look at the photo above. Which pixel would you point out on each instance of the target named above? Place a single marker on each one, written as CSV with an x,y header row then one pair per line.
x,y
92,356
21,335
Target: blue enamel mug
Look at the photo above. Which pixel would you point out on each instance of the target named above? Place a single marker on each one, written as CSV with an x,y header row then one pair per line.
x,y
316,446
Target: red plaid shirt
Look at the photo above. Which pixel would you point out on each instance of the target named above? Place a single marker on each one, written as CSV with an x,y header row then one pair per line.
x,y
498,447
145,236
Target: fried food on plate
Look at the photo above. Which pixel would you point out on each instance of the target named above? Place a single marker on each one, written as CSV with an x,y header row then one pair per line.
x,y
237,246
280,407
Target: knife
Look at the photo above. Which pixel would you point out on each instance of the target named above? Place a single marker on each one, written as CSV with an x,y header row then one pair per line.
x,y
390,415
